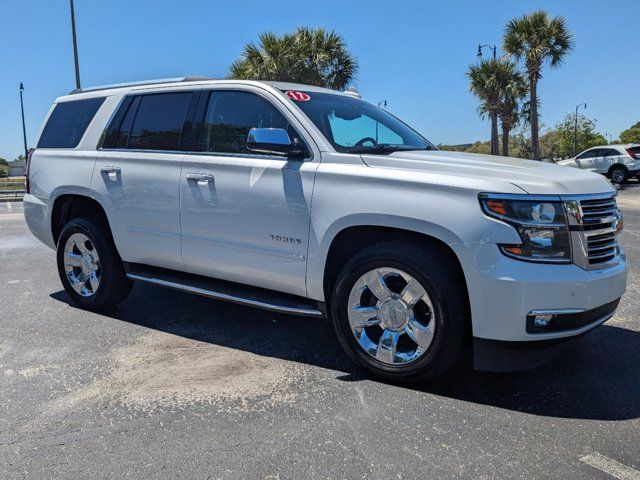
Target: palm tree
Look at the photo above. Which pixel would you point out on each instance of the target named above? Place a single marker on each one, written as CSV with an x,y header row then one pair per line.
x,y
486,81
310,56
537,39
513,88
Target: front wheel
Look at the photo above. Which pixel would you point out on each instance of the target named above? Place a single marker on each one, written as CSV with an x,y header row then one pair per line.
x,y
89,266
400,311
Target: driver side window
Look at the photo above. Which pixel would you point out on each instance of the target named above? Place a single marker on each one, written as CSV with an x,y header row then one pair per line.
x,y
588,154
347,133
231,114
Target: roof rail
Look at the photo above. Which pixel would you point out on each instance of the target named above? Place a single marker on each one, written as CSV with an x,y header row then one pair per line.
x,y
193,78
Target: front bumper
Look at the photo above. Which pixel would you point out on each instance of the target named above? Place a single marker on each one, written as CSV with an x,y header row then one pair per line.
x,y
504,356
504,291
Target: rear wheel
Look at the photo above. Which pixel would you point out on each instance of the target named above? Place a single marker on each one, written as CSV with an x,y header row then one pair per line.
x,y
89,266
401,312
618,174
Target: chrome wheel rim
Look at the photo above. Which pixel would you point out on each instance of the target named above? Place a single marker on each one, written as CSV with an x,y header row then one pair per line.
x,y
391,316
617,176
82,264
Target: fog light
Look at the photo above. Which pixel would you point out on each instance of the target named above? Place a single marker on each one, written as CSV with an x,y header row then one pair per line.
x,y
542,321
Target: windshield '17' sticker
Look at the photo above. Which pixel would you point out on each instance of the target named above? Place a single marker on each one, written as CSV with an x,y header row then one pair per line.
x,y
298,96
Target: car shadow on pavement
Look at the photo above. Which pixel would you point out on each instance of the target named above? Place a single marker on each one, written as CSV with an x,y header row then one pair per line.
x,y
598,377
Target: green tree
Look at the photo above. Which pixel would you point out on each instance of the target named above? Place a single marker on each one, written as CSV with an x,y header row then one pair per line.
x,y
537,39
499,87
587,136
484,83
631,134
451,148
480,147
549,145
310,56
513,88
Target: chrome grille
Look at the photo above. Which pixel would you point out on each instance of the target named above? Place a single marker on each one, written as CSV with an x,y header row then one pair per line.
x,y
599,219
601,248
595,211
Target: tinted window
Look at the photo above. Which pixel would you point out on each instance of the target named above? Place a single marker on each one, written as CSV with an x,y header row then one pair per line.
x,y
608,152
157,124
120,128
68,122
230,116
589,154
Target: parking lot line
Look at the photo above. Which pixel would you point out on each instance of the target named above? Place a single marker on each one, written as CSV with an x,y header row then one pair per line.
x,y
611,467
9,207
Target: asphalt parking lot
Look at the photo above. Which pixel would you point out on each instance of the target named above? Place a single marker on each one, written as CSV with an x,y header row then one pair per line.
x,y
172,385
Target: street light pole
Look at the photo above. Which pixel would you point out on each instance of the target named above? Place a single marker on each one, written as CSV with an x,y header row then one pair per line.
x,y
494,49
575,129
75,44
494,150
24,128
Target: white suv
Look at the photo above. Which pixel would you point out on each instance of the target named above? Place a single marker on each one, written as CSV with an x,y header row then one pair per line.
x,y
308,201
618,162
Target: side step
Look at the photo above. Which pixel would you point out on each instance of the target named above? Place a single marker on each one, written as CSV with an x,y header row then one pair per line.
x,y
225,291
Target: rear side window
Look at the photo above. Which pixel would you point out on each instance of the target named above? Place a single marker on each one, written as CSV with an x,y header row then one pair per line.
x,y
149,122
609,152
68,122
159,120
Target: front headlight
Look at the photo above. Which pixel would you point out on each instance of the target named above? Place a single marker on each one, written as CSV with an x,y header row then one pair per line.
x,y
541,224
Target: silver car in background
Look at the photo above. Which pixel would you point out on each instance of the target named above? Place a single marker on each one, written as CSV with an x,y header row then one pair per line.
x,y
618,162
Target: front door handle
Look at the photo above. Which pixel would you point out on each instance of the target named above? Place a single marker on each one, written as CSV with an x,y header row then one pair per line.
x,y
111,171
201,178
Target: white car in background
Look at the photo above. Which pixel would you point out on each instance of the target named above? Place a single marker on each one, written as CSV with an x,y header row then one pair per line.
x,y
618,162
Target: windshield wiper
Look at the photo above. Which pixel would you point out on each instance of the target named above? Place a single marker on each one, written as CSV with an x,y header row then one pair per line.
x,y
380,148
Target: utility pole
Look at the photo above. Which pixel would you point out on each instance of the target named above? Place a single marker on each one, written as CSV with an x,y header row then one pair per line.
x,y
75,44
575,129
24,128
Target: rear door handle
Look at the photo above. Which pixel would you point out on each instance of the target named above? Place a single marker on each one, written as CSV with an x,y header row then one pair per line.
x,y
201,178
111,171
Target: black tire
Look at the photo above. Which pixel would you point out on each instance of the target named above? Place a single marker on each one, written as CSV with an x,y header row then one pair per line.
x,y
619,174
440,276
114,286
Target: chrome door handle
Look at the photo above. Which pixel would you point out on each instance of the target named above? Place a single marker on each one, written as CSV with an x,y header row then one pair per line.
x,y
201,178
112,172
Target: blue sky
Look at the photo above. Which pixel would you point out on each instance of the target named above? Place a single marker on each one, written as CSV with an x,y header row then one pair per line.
x,y
414,54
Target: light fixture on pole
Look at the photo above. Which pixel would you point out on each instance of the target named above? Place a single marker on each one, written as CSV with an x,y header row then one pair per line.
x,y
492,48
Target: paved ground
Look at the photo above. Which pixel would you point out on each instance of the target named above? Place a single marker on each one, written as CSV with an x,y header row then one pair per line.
x,y
170,385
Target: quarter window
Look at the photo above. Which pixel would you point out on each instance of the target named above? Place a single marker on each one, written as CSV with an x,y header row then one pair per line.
x,y
68,122
231,114
158,122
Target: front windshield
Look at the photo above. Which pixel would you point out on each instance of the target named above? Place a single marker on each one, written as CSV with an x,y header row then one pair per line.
x,y
355,126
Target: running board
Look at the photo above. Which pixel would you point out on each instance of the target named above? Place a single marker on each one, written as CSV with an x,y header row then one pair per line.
x,y
224,291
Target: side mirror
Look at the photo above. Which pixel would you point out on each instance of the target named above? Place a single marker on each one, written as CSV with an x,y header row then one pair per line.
x,y
274,141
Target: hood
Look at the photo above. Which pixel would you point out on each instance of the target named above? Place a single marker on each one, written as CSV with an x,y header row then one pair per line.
x,y
529,175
